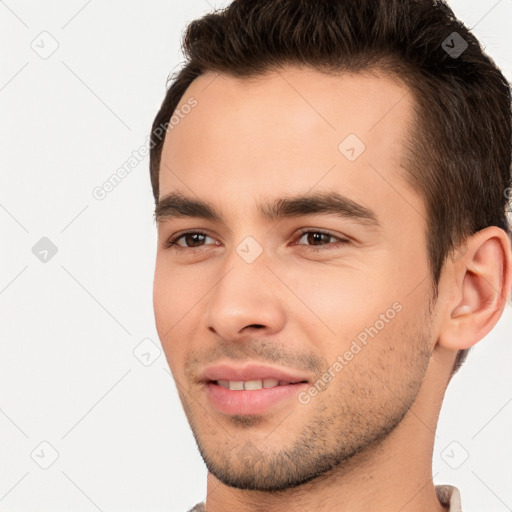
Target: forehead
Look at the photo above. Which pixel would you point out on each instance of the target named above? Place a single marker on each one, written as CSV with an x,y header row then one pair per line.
x,y
289,130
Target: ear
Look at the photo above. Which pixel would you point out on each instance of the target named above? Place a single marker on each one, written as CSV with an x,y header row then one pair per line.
x,y
479,285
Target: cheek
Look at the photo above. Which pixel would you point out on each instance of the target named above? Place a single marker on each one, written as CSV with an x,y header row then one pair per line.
x,y
340,300
177,304
160,297
170,300
173,287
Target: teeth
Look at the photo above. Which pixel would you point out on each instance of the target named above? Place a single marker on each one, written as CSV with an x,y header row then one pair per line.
x,y
239,385
236,384
253,384
270,383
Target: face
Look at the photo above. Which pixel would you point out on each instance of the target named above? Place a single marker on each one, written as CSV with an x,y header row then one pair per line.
x,y
306,267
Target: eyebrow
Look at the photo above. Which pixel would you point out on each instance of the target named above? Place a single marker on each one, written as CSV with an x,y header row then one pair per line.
x,y
176,205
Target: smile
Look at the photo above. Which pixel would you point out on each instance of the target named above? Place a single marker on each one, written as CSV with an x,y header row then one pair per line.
x,y
250,385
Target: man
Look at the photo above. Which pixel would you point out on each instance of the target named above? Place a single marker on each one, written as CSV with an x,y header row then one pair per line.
x,y
331,185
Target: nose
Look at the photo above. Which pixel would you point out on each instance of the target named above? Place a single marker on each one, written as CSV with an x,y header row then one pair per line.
x,y
247,298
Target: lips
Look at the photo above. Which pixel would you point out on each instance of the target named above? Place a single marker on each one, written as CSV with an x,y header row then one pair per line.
x,y
251,374
251,385
252,388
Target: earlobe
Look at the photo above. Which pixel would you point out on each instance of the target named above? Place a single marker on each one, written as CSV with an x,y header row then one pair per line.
x,y
482,280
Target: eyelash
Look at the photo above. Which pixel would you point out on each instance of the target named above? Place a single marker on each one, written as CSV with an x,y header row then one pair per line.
x,y
172,242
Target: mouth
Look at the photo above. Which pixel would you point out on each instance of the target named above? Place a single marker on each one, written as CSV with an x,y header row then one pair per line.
x,y
253,385
252,388
251,376
253,397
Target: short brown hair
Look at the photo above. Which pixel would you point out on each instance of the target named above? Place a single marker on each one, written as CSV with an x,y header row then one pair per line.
x,y
459,156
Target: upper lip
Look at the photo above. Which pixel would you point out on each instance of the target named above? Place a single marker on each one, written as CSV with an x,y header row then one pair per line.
x,y
250,371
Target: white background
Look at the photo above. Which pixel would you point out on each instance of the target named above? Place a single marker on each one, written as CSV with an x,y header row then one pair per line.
x,y
69,326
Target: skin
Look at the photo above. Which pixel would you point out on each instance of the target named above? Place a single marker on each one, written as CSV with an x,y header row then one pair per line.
x,y
368,438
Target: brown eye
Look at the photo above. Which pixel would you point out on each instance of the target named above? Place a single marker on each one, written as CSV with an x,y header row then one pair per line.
x,y
315,238
192,240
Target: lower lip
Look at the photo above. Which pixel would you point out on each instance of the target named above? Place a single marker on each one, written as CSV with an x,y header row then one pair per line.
x,y
256,401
